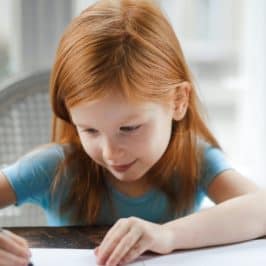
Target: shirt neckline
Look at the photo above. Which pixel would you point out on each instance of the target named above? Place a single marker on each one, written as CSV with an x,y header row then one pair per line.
x,y
131,199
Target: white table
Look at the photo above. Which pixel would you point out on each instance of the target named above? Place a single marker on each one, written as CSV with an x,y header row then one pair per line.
x,y
251,253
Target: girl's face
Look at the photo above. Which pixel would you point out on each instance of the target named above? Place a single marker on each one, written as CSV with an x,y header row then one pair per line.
x,y
125,138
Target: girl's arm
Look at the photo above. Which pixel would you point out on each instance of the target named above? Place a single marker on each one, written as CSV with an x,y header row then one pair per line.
x,y
233,220
238,219
14,250
230,184
230,221
7,194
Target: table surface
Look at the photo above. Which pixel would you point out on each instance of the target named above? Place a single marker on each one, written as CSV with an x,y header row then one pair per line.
x,y
82,237
247,253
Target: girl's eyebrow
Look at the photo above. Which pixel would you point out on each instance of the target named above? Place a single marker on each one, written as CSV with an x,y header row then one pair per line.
x,y
126,120
129,118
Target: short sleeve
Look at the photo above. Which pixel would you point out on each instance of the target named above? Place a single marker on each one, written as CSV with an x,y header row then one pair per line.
x,y
32,175
214,163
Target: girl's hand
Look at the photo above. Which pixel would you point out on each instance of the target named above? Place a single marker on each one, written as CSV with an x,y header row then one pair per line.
x,y
129,238
14,250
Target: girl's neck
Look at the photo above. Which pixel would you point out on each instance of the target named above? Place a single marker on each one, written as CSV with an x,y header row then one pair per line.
x,y
132,189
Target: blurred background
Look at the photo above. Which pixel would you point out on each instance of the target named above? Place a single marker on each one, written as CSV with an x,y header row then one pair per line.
x,y
224,42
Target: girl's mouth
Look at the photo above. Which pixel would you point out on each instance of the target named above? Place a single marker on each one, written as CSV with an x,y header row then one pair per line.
x,y
123,168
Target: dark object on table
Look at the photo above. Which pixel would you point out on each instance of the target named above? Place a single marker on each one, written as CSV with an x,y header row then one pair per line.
x,y
62,237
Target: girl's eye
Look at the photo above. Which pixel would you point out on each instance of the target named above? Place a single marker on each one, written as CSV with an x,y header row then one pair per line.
x,y
130,128
91,131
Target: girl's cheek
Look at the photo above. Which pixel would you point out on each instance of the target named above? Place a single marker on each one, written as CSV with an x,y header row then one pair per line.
x,y
89,146
92,151
142,138
95,155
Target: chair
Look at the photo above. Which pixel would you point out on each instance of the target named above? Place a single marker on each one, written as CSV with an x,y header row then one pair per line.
x,y
24,115
25,118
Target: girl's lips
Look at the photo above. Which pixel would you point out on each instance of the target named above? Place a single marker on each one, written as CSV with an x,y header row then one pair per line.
x,y
122,168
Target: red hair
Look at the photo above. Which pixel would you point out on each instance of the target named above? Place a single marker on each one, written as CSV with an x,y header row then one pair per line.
x,y
129,46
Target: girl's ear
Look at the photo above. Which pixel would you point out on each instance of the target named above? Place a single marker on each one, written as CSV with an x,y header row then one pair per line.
x,y
181,100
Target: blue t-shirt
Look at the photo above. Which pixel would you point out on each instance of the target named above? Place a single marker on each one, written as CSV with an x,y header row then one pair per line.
x,y
31,178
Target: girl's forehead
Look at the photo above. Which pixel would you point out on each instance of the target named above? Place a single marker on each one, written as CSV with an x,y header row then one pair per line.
x,y
117,102
113,108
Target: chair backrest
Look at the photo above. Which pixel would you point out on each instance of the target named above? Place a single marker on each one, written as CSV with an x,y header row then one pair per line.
x,y
25,115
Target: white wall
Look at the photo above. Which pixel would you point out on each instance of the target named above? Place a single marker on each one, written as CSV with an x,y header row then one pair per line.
x,y
252,110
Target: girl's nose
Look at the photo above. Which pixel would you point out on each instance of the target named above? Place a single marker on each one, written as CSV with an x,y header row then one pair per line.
x,y
112,152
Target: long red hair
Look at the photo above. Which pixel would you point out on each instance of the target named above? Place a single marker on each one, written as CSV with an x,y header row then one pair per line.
x,y
128,45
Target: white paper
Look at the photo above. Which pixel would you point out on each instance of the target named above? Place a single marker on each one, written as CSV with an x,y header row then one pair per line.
x,y
65,257
251,253
243,254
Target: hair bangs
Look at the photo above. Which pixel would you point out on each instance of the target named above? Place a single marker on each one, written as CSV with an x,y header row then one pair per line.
x,y
123,64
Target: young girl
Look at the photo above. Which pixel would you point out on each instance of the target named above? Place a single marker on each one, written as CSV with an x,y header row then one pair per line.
x,y
129,145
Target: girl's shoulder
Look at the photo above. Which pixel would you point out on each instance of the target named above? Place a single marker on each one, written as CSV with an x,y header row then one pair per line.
x,y
47,151
44,159
211,156
31,176
213,162
206,149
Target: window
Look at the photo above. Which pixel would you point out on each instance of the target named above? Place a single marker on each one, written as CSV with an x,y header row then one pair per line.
x,y
5,39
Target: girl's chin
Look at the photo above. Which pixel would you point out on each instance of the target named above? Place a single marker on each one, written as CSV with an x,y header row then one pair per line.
x,y
128,177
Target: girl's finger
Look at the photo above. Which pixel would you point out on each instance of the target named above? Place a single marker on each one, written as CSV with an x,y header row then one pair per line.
x,y
111,240
8,244
117,226
139,248
8,259
124,246
16,238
